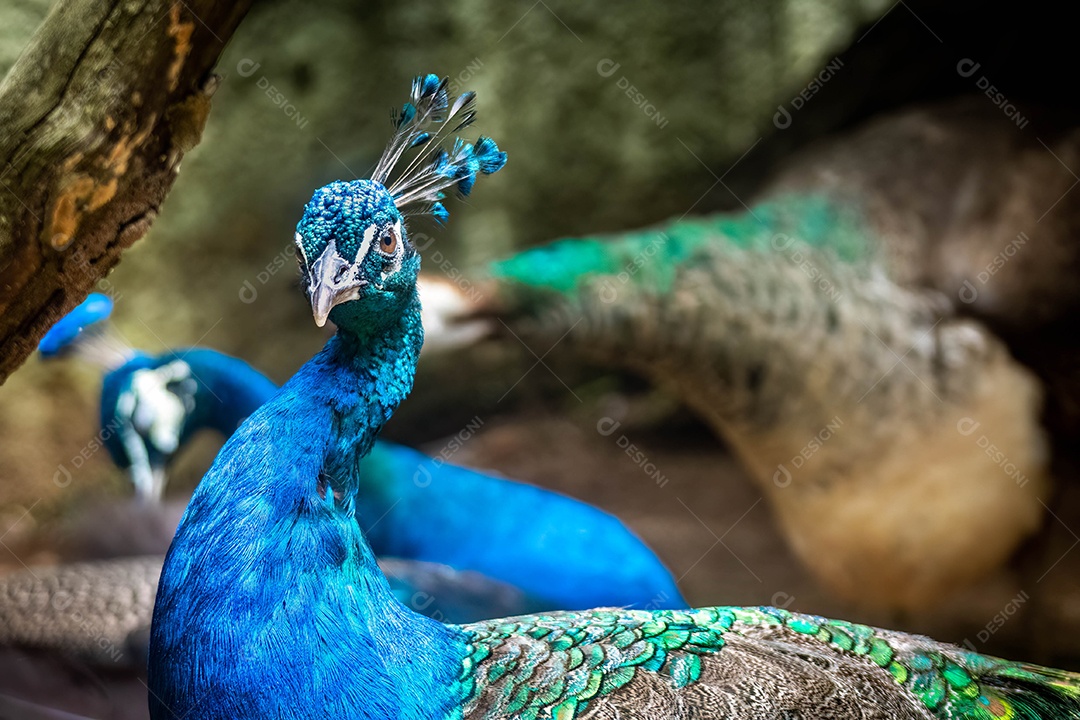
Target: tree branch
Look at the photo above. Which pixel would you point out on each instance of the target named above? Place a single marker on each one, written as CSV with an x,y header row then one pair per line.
x,y
94,119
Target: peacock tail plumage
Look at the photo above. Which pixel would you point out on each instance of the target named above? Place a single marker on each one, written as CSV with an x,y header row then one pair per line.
x,y
741,662
850,395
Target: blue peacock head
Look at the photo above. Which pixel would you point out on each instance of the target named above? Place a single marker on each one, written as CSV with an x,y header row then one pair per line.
x,y
146,402
353,248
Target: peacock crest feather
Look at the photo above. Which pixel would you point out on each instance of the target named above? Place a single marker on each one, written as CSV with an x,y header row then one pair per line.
x,y
424,124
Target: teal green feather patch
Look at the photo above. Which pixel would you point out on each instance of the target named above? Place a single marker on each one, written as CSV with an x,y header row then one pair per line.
x,y
651,258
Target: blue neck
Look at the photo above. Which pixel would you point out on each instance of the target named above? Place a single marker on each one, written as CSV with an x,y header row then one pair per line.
x,y
270,596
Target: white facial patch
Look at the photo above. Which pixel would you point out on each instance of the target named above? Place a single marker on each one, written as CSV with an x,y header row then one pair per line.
x,y
158,412
336,274
153,410
365,243
299,242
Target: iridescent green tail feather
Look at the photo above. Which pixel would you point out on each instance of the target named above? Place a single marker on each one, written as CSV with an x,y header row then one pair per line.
x,y
1019,691
746,663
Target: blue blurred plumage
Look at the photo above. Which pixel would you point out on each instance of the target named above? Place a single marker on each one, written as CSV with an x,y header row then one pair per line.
x,y
560,552
95,307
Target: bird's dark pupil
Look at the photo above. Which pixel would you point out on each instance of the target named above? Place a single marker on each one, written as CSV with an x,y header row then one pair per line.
x,y
387,241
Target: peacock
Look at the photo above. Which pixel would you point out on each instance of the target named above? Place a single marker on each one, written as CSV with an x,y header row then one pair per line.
x,y
557,552
842,336
270,602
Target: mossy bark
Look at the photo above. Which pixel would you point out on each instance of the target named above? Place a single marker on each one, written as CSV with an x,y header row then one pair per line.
x,y
95,117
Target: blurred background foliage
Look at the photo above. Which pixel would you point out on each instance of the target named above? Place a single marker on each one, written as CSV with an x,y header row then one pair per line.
x,y
305,100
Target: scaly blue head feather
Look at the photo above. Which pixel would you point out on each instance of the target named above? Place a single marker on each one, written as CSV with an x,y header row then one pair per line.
x,y
95,308
352,245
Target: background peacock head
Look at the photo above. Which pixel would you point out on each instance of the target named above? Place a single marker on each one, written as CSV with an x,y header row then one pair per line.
x,y
357,263
146,410
146,401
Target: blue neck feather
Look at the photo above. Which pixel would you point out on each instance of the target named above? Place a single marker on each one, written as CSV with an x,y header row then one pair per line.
x,y
412,506
270,596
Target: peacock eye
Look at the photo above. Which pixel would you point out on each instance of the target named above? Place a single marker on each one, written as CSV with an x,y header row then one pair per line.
x,y
388,243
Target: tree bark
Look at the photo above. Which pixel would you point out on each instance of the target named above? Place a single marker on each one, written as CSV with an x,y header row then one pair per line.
x,y
94,119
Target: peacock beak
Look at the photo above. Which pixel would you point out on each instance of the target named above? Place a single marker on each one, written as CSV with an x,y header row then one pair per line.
x,y
333,281
322,302
325,298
